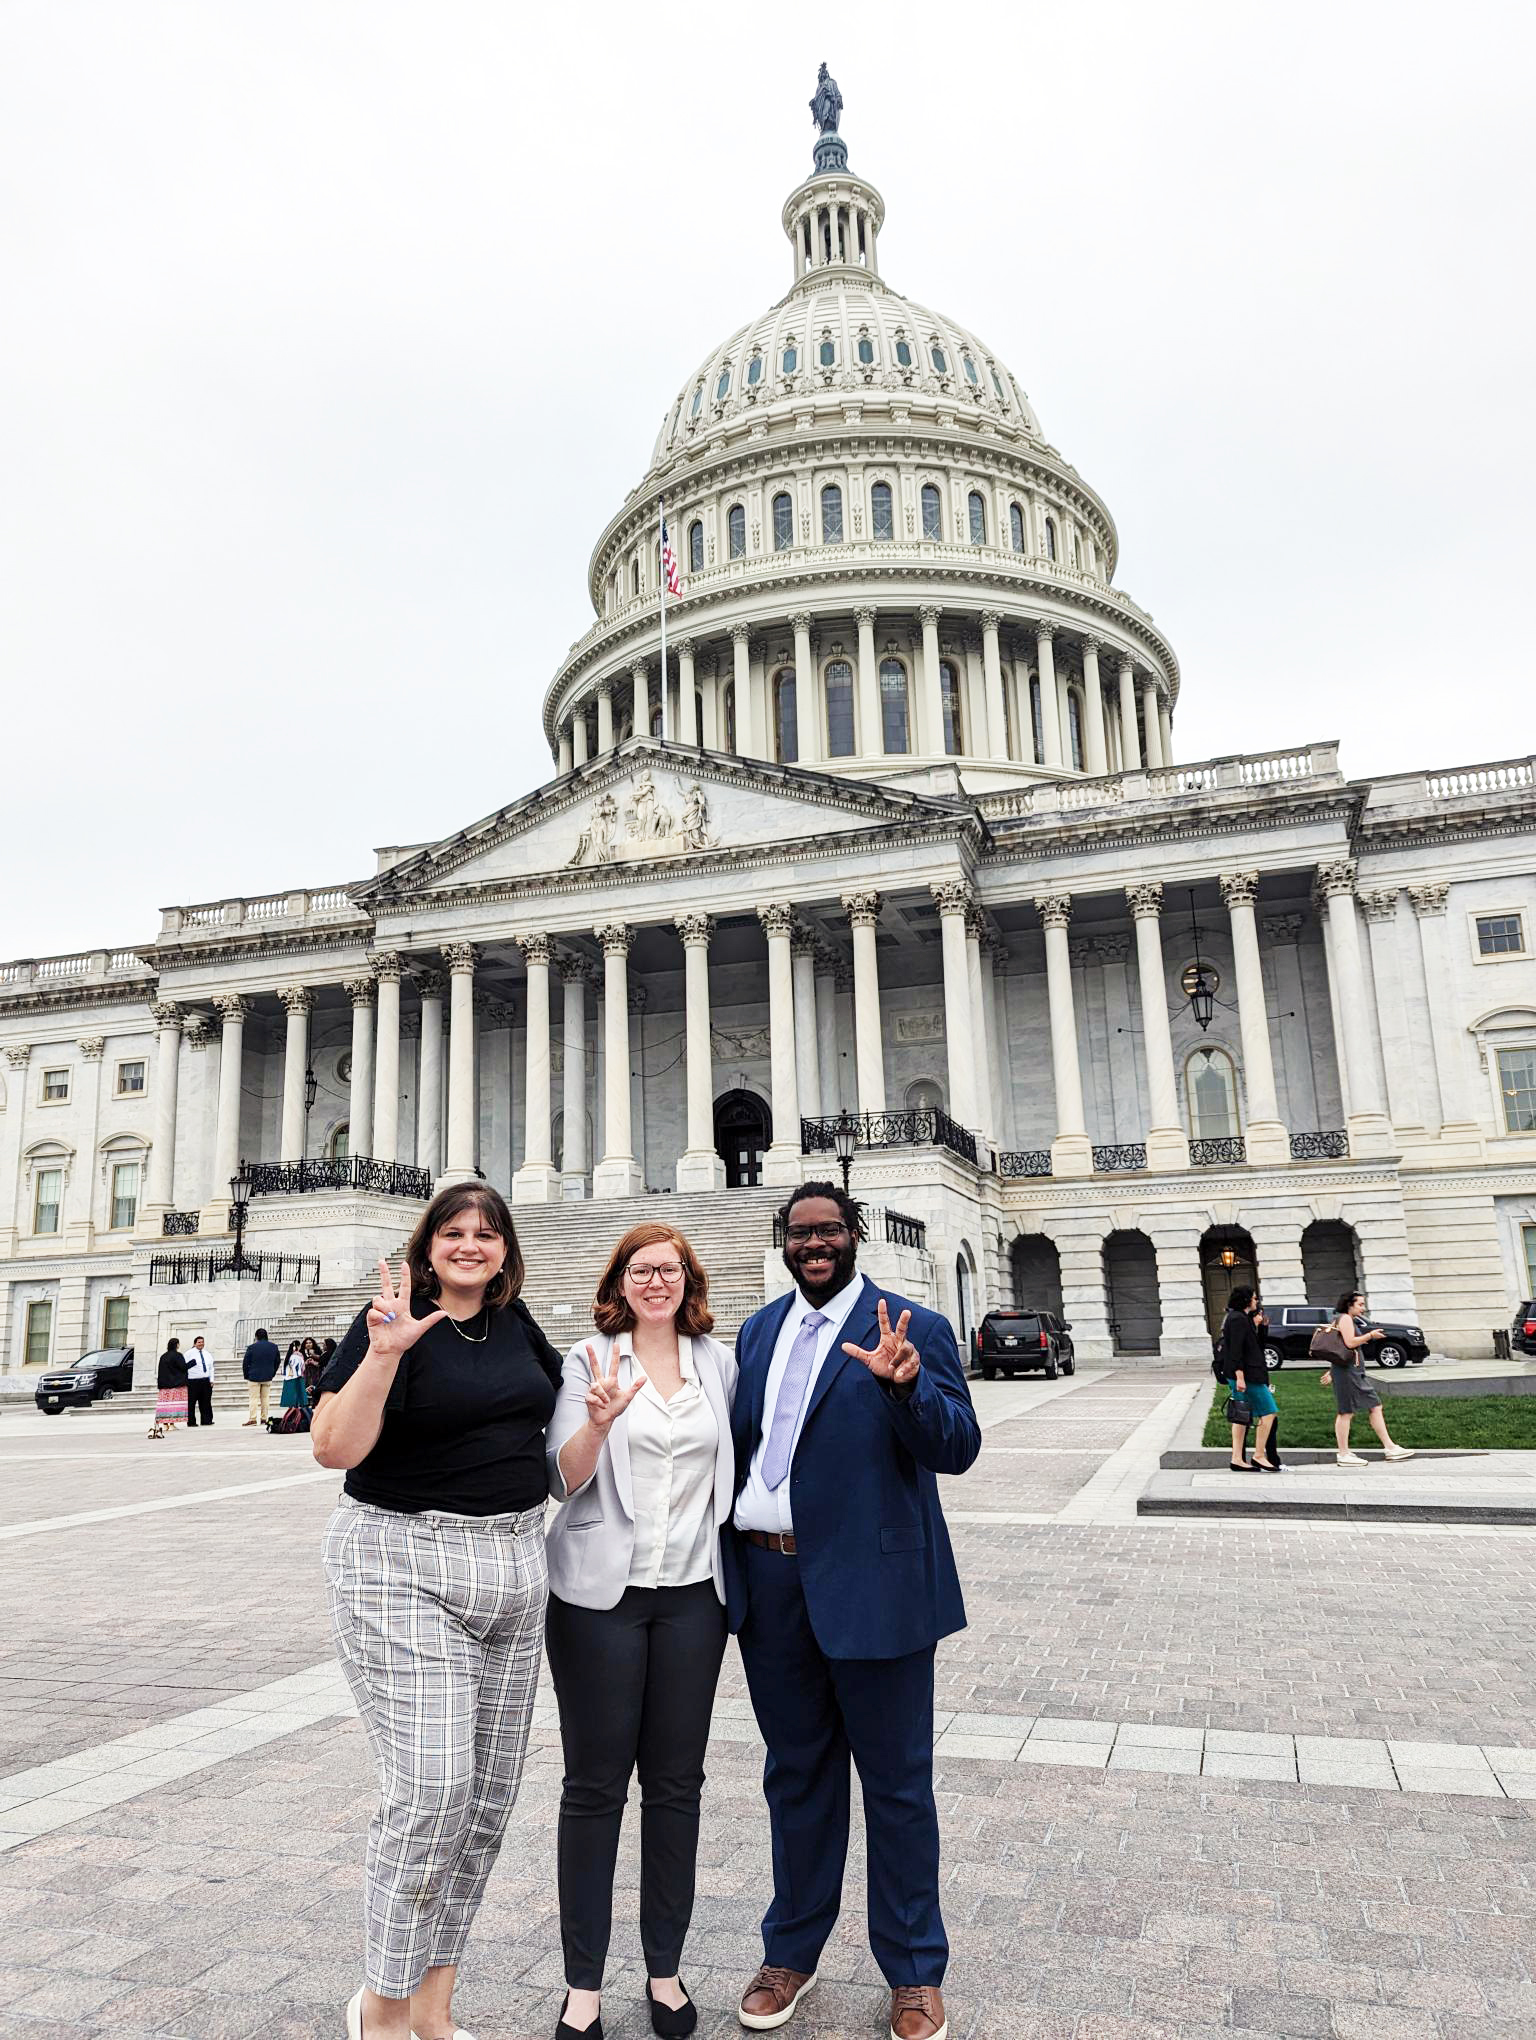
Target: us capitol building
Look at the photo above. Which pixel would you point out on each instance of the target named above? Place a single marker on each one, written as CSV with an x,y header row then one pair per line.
x,y
898,832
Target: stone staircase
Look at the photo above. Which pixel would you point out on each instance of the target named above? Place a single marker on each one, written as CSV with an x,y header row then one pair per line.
x,y
566,1247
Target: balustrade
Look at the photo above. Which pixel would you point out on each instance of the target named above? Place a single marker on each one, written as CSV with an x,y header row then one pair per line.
x,y
1319,1147
355,1172
1212,1154
1119,1158
926,1126
1024,1162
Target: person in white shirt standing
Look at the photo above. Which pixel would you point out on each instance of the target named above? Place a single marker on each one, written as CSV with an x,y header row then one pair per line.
x,y
199,1384
640,1456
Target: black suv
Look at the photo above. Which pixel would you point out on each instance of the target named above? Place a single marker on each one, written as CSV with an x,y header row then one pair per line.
x,y
95,1377
1291,1326
1011,1341
1522,1333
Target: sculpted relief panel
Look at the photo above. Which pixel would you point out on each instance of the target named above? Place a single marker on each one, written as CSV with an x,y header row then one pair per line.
x,y
643,825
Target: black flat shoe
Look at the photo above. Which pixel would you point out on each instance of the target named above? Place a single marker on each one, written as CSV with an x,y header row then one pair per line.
x,y
669,2023
592,2032
1247,1466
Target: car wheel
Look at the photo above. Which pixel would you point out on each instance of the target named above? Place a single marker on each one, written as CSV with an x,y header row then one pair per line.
x,y
1392,1356
989,1374
1069,1366
53,1409
1051,1369
1273,1357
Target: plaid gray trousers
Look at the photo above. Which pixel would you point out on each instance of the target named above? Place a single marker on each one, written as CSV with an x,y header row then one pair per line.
x,y
439,1625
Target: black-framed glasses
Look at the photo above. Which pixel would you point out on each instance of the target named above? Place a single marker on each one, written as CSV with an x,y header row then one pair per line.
x,y
798,1235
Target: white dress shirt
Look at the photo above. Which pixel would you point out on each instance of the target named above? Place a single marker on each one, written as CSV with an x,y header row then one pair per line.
x,y
199,1364
759,1507
672,1453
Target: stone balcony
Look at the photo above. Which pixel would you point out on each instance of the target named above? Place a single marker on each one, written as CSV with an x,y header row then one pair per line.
x,y
1222,784
285,913
32,975
1407,805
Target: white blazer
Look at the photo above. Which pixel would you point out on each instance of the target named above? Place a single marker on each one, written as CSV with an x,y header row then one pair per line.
x,y
590,1543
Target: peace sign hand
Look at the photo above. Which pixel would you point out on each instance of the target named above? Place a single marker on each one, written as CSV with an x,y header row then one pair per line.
x,y
605,1398
895,1358
392,1331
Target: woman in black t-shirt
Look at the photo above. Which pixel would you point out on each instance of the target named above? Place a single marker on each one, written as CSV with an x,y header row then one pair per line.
x,y
435,1403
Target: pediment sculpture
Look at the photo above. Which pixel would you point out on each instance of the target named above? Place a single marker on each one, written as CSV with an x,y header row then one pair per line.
x,y
645,826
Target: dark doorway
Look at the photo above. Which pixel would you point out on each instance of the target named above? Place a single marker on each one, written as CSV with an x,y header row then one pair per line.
x,y
1330,1261
1036,1273
1135,1303
1227,1260
743,1129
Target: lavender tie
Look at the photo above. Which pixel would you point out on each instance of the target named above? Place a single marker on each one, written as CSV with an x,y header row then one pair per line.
x,y
786,1411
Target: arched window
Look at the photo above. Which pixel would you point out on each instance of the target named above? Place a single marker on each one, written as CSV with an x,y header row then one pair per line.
x,y
976,505
882,519
828,353
1075,727
783,522
786,735
698,399
1016,526
789,360
698,713
736,526
831,514
634,576
903,354
970,369
866,349
723,387
939,360
696,547
1050,538
839,683
754,371
894,720
337,1147
728,715
1036,717
949,689
933,512
1210,1091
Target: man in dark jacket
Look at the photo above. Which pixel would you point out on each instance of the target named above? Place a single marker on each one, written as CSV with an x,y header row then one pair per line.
x,y
260,1365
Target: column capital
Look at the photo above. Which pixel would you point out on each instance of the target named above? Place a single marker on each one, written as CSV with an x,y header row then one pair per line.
x,y
777,917
231,1006
535,948
741,633
92,1046
697,930
359,990
614,936
1127,663
1238,889
1336,878
166,1013
862,908
1429,899
928,617
800,619
684,647
639,998
1145,900
1054,909
640,669
842,973
975,923
388,964
296,998
410,1026
1380,906
1284,927
18,1054
802,942
574,968
460,957
607,687
429,983
952,895
1045,628
1092,645
864,618
991,618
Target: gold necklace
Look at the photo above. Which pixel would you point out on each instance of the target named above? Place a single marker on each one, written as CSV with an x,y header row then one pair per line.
x,y
469,1337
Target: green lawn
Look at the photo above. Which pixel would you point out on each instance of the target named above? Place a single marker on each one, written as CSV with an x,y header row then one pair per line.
x,y
1505,1423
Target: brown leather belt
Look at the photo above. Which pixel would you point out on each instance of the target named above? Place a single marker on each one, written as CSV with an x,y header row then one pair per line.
x,y
772,1540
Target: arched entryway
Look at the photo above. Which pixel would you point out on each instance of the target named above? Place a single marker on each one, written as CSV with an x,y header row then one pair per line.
x,y
743,1130
1227,1261
1330,1261
1130,1282
1036,1273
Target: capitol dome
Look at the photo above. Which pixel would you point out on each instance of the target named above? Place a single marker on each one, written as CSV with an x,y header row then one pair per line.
x,y
885,567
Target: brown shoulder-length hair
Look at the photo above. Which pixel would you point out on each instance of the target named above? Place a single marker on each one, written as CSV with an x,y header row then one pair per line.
x,y
610,1307
448,1205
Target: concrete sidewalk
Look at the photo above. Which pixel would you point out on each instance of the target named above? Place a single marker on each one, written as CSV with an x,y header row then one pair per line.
x,y
1460,1487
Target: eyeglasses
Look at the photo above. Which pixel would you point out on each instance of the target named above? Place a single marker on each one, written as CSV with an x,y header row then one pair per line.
x,y
642,1272
797,1235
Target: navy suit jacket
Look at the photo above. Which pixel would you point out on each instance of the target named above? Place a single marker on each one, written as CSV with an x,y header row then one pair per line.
x,y
876,1566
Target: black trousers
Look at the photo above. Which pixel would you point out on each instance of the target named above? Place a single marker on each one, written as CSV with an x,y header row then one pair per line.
x,y
199,1403
636,1686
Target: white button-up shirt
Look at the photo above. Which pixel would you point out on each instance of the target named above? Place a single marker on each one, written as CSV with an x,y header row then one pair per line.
x,y
199,1364
759,1507
673,1448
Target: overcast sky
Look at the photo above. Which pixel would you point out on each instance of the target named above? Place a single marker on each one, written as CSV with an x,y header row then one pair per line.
x,y
334,333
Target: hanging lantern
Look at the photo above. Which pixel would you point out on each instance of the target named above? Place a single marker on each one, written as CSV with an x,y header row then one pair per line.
x,y
1200,979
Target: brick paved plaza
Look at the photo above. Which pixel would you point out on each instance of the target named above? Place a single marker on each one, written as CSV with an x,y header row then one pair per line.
x,y
1196,1777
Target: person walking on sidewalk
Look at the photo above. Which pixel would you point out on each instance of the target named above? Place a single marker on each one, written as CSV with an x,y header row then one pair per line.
x,y
1342,1344
1246,1370
260,1365
199,1384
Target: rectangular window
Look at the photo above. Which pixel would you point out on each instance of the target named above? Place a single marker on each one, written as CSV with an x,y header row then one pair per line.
x,y
39,1333
130,1079
1517,1084
55,1086
1528,1236
1500,935
125,1195
114,1321
45,1208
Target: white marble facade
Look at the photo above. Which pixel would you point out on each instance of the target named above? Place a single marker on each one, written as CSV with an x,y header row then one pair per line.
x,y
899,828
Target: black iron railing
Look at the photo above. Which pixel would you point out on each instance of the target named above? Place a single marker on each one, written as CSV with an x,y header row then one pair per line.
x,y
1211,1154
1319,1147
1113,1161
898,1228
178,1224
226,1265
925,1127
356,1172
1024,1162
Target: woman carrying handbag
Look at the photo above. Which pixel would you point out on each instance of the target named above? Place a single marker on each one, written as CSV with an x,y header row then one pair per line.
x,y
1340,1343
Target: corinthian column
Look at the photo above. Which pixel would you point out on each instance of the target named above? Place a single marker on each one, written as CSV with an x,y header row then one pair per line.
x,y
1130,742
749,742
575,972
388,969
1370,1131
297,1001
536,1182
1050,700
1071,1150
981,1047
953,899
871,744
931,705
863,909
782,1163
617,1174
802,949
463,1104
640,699
992,672
1267,1139
1458,1126
1150,721
360,1085
429,1073
699,1167
810,737
161,1187
232,1011
1096,756
687,705
605,717
1167,1146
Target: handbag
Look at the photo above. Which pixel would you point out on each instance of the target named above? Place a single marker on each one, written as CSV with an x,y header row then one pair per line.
x,y
1239,1410
1328,1344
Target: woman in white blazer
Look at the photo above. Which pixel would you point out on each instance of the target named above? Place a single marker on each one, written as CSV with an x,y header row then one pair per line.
x,y
642,1464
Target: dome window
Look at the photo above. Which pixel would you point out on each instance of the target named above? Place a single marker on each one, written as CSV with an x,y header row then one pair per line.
x,y
1075,728
839,679
866,349
997,385
903,354
783,522
882,516
634,577
970,369
939,359
736,527
723,387
1050,538
1016,526
894,719
696,547
949,690
831,515
828,353
698,399
977,509
786,733
755,372
933,513
789,361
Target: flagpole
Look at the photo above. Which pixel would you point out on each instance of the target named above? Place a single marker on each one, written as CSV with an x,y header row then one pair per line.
x,y
661,563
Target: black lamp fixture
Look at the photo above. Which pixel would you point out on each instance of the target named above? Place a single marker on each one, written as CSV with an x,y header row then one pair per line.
x,y
1199,977
845,1138
239,1209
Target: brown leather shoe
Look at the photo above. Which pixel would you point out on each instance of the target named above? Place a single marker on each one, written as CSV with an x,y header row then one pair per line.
x,y
772,1997
917,2013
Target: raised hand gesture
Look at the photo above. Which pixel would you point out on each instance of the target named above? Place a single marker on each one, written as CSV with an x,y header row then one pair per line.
x,y
392,1331
605,1398
894,1358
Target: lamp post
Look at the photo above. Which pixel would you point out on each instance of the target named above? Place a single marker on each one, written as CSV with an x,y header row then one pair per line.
x,y
311,1086
845,1139
239,1208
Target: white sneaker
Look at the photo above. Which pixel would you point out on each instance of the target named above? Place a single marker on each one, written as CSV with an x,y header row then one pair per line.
x,y
1398,1452
1352,1459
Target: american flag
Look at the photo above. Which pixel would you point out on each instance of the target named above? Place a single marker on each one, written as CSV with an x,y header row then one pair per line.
x,y
669,573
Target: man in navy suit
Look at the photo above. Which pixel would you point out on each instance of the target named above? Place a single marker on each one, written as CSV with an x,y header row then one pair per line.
x,y
839,1583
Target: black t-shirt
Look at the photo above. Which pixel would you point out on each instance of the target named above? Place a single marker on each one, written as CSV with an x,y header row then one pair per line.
x,y
1242,1348
464,1424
